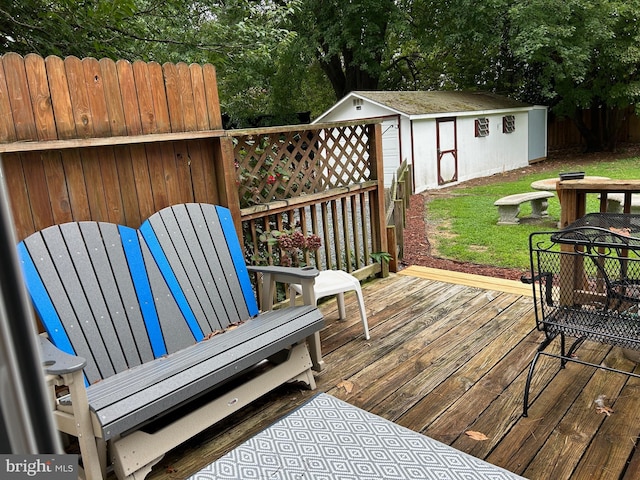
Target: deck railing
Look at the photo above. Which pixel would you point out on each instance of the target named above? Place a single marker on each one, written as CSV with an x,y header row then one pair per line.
x,y
396,204
324,180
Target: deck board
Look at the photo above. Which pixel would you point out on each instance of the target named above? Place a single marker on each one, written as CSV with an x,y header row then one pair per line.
x,y
469,279
448,357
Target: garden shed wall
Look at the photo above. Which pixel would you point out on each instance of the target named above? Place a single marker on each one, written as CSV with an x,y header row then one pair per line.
x,y
436,133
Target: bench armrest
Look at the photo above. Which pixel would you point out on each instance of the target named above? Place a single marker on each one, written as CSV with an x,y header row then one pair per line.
x,y
285,274
271,275
57,362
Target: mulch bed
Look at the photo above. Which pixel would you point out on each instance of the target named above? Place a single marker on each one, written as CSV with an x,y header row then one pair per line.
x,y
417,249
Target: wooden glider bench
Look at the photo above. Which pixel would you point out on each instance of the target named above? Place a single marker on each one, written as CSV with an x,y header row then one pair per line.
x,y
509,206
150,330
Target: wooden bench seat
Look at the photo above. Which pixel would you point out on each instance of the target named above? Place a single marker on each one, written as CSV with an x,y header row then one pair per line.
x,y
509,206
147,321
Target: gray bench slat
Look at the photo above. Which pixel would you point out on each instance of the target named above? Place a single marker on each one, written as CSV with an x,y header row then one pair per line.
x,y
211,237
207,262
120,294
175,331
96,319
174,246
136,379
48,251
100,313
205,272
198,375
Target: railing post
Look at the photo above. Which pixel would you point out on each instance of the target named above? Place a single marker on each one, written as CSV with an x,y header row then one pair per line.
x,y
377,198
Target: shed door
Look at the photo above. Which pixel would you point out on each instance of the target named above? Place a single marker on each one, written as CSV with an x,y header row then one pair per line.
x,y
447,150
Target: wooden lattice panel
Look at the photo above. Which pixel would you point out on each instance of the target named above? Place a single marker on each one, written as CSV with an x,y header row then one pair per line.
x,y
276,166
346,153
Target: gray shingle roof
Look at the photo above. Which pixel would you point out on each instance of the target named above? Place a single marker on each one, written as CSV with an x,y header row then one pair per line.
x,y
425,102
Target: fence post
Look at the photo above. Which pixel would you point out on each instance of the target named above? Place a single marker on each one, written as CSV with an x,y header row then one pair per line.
x,y
393,248
225,174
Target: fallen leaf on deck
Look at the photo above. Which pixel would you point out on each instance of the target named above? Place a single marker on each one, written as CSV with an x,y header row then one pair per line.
x,y
601,407
476,435
621,231
347,385
606,410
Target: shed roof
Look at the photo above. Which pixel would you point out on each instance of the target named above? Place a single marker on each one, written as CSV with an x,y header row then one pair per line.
x,y
426,102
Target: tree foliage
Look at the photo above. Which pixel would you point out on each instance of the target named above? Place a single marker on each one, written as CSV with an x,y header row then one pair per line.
x,y
349,40
279,57
587,55
170,30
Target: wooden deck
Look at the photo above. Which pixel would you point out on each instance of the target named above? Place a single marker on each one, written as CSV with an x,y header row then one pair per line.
x,y
450,355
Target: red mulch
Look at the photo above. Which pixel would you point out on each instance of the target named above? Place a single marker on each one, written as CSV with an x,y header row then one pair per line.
x,y
417,249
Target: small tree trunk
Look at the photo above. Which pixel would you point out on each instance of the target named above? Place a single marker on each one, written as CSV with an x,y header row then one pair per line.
x,y
591,138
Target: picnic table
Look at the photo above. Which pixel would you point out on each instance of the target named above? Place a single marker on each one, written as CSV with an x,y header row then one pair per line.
x,y
573,195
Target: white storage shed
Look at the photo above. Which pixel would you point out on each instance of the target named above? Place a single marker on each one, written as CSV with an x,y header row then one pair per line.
x,y
446,136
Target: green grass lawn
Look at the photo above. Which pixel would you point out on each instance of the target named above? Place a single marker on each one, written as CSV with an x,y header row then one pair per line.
x,y
464,227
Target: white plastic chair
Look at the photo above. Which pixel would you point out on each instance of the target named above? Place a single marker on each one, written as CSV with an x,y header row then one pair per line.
x,y
336,282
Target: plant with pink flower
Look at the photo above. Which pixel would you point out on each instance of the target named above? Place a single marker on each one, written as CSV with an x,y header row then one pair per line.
x,y
293,245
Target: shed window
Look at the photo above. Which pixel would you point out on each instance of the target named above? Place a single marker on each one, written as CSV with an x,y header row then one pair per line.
x,y
482,127
357,102
508,123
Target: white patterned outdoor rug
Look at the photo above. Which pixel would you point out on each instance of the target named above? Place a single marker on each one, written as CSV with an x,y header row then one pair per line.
x,y
328,439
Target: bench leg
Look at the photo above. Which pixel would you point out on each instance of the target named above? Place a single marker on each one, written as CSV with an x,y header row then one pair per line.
x,y
315,350
307,378
93,461
508,214
539,208
135,453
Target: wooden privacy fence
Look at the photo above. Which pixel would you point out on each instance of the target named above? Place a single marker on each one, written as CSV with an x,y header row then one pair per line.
x,y
87,139
103,140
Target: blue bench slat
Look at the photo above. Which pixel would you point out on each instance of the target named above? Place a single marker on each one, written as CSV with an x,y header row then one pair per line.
x,y
105,249
48,251
150,238
197,253
206,312
237,256
175,329
42,302
143,290
97,316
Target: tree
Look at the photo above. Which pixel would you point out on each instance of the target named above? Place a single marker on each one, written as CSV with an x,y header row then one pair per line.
x,y
587,56
170,30
470,43
348,39
239,37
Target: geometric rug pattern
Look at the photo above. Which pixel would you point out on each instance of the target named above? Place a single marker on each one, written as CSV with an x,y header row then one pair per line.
x,y
329,439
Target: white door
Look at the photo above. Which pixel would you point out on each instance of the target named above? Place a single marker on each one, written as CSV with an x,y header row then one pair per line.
x,y
447,150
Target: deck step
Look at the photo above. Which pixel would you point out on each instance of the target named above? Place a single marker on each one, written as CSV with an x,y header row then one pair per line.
x,y
468,279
